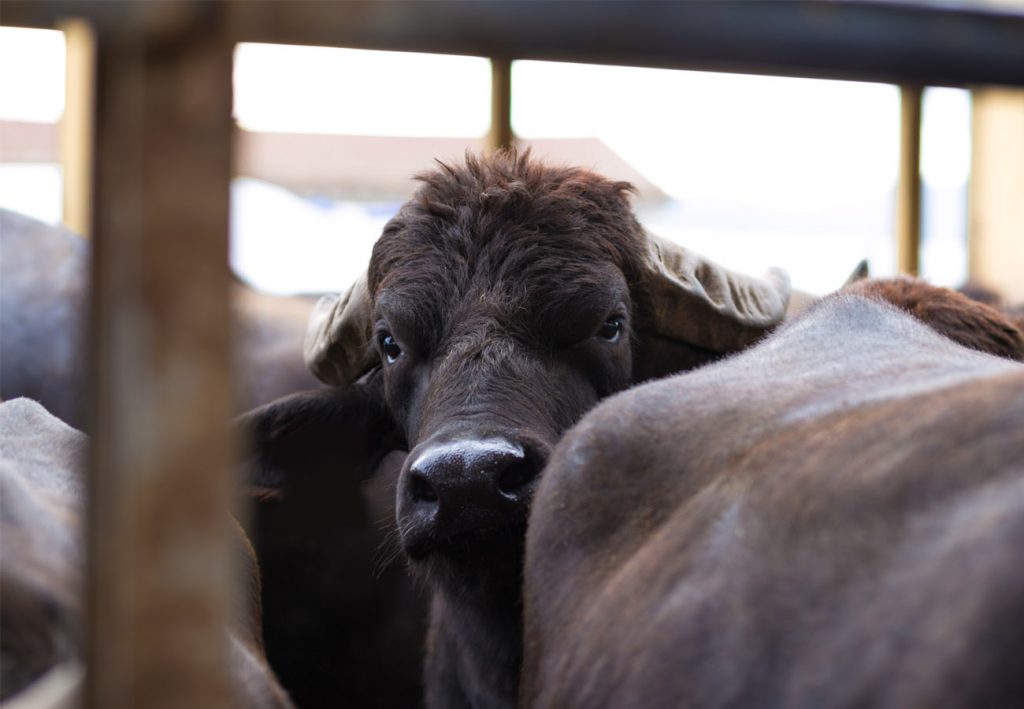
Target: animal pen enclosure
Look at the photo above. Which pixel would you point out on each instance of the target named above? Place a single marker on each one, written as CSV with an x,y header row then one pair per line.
x,y
149,178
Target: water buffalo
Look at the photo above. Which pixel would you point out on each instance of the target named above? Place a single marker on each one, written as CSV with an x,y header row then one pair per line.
x,y
500,304
832,518
44,284
42,556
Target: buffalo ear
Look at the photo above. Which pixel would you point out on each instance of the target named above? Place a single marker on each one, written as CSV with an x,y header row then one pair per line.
x,y
337,347
696,301
312,437
314,528
698,310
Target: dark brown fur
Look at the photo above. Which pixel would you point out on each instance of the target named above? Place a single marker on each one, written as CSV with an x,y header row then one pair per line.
x,y
1015,314
970,322
342,626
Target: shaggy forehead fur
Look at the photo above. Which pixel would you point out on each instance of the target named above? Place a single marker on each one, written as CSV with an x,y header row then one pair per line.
x,y
510,227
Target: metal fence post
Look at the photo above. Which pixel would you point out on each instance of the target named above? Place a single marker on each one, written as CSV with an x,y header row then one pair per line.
x,y
501,135
158,587
908,188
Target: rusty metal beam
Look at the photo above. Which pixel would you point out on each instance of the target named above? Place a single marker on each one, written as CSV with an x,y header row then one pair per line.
x,y
158,586
908,189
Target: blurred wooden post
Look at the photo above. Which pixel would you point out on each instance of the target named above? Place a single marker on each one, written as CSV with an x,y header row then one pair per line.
x,y
996,200
76,126
158,537
501,135
908,189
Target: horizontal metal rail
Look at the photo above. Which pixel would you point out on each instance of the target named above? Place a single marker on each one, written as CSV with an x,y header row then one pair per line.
x,y
924,43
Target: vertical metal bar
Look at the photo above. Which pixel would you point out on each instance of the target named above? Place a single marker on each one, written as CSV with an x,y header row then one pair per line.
x,y
158,590
908,189
76,126
501,135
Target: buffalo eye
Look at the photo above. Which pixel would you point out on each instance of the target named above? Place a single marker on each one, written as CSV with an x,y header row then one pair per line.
x,y
390,348
610,330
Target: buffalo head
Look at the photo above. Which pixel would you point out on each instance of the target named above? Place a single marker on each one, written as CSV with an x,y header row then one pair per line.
x,y
500,304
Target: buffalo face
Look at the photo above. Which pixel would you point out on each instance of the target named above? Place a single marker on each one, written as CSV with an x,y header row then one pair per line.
x,y
483,392
500,304
498,318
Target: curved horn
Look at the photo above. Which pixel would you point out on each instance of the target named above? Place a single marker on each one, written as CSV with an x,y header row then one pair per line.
x,y
859,273
697,301
337,347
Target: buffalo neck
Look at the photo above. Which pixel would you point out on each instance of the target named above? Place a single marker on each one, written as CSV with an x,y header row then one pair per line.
x,y
474,648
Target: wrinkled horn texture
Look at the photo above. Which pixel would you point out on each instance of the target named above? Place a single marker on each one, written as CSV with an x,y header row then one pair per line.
x,y
701,303
337,347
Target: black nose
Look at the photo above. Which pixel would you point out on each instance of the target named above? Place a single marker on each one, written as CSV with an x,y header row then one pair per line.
x,y
476,473
467,485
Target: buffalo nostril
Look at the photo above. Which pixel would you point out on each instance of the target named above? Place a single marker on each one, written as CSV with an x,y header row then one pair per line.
x,y
516,476
422,491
